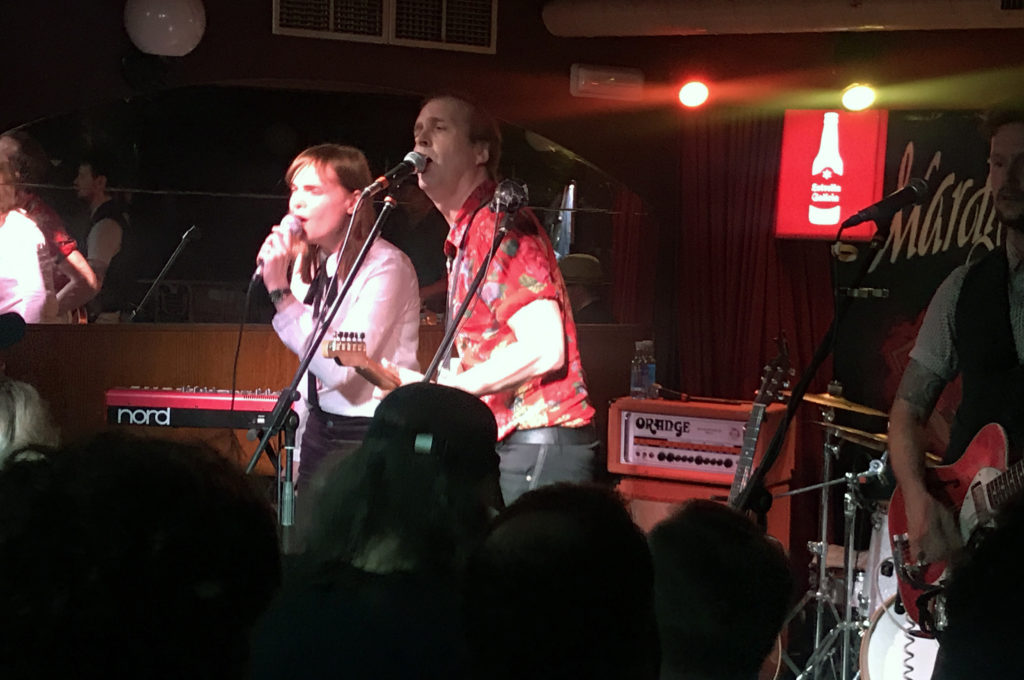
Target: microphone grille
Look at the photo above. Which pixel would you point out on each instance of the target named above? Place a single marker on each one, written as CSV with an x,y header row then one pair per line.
x,y
920,189
418,160
292,224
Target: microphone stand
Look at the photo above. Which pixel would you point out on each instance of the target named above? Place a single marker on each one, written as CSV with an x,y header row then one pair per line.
x,y
754,495
509,197
190,234
290,393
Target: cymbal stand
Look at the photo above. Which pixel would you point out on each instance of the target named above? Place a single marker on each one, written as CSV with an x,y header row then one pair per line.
x,y
848,630
821,594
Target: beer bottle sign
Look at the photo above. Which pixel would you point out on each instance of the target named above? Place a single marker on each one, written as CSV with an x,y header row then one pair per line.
x,y
826,175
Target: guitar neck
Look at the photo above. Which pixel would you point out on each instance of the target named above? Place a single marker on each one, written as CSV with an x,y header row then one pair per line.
x,y
1006,486
746,460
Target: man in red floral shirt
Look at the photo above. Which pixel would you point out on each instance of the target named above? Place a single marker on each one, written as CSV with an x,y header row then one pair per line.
x,y
517,345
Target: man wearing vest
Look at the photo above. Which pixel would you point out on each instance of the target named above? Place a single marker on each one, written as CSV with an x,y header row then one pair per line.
x,y
974,327
517,344
106,236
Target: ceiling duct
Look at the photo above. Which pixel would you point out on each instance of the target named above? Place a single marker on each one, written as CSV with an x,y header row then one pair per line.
x,y
592,18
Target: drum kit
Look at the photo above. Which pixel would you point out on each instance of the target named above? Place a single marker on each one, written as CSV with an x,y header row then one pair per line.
x,y
860,630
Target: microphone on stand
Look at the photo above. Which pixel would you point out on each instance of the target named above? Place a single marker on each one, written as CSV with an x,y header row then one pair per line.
x,y
294,227
914,193
413,163
191,234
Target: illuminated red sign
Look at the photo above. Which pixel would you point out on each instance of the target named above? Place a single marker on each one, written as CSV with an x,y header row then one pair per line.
x,y
832,166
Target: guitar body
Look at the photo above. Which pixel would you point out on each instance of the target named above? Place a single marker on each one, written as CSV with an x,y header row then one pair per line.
x,y
960,487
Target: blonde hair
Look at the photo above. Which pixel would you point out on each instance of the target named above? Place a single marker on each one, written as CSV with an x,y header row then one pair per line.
x,y
24,418
352,171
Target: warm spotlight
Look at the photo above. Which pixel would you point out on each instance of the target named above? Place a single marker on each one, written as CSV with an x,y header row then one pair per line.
x,y
858,97
693,94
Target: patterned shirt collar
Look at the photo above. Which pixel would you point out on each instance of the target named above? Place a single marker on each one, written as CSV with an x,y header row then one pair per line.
x,y
457,232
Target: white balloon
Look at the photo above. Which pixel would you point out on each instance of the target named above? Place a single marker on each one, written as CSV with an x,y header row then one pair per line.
x,y
169,28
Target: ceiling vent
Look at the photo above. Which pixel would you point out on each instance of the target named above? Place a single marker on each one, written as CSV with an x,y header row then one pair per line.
x,y
593,18
462,25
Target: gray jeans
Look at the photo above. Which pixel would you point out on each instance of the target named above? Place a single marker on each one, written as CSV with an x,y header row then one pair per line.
x,y
570,456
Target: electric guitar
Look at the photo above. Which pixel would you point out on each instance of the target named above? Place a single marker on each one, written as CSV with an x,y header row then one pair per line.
x,y
349,349
774,377
974,487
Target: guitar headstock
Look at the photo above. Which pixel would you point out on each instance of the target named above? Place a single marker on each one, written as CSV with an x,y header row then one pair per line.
x,y
348,348
776,374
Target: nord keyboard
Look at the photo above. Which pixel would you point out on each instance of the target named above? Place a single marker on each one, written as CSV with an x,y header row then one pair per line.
x,y
188,407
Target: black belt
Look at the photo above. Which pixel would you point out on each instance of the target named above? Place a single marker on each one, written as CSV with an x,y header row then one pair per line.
x,y
554,435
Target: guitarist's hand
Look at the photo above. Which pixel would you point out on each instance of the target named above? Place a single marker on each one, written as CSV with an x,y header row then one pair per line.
x,y
931,529
404,375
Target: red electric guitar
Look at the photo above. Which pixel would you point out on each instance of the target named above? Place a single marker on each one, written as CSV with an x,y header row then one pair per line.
x,y
974,487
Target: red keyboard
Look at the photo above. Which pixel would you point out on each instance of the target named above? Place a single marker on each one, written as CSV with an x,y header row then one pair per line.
x,y
188,407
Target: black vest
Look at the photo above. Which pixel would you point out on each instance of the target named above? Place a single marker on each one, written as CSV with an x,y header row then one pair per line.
x,y
993,378
117,282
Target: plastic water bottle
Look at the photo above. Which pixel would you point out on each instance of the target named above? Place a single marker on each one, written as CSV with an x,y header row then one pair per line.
x,y
642,371
650,377
638,373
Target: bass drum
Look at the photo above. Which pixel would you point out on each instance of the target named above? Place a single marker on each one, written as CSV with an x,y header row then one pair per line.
x,y
888,652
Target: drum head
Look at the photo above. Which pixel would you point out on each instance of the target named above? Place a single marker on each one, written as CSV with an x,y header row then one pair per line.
x,y
888,652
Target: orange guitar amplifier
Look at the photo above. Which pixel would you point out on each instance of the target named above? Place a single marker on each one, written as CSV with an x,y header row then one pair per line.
x,y
673,451
695,441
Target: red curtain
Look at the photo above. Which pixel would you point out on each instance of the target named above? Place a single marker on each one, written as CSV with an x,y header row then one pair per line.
x,y
738,286
634,234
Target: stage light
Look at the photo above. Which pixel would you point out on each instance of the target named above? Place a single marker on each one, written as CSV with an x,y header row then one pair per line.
x,y
858,97
693,94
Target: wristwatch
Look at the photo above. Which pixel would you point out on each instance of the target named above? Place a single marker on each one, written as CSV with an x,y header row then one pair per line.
x,y
279,294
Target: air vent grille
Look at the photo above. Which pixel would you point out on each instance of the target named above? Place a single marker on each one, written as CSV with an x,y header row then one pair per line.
x,y
359,17
310,15
468,22
464,25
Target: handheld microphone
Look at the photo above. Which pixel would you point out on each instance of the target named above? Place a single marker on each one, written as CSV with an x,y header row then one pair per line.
x,y
413,163
294,227
914,193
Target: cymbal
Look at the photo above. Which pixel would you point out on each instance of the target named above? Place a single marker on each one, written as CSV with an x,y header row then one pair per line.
x,y
826,399
878,442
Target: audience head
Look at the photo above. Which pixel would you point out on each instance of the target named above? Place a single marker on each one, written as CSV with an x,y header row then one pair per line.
x,y
127,557
721,589
984,603
419,492
562,588
24,417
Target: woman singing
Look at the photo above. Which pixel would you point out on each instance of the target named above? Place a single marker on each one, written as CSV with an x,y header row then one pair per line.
x,y
383,302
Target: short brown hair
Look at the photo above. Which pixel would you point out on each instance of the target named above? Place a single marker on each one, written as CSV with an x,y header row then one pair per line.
x,y
1004,114
482,127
